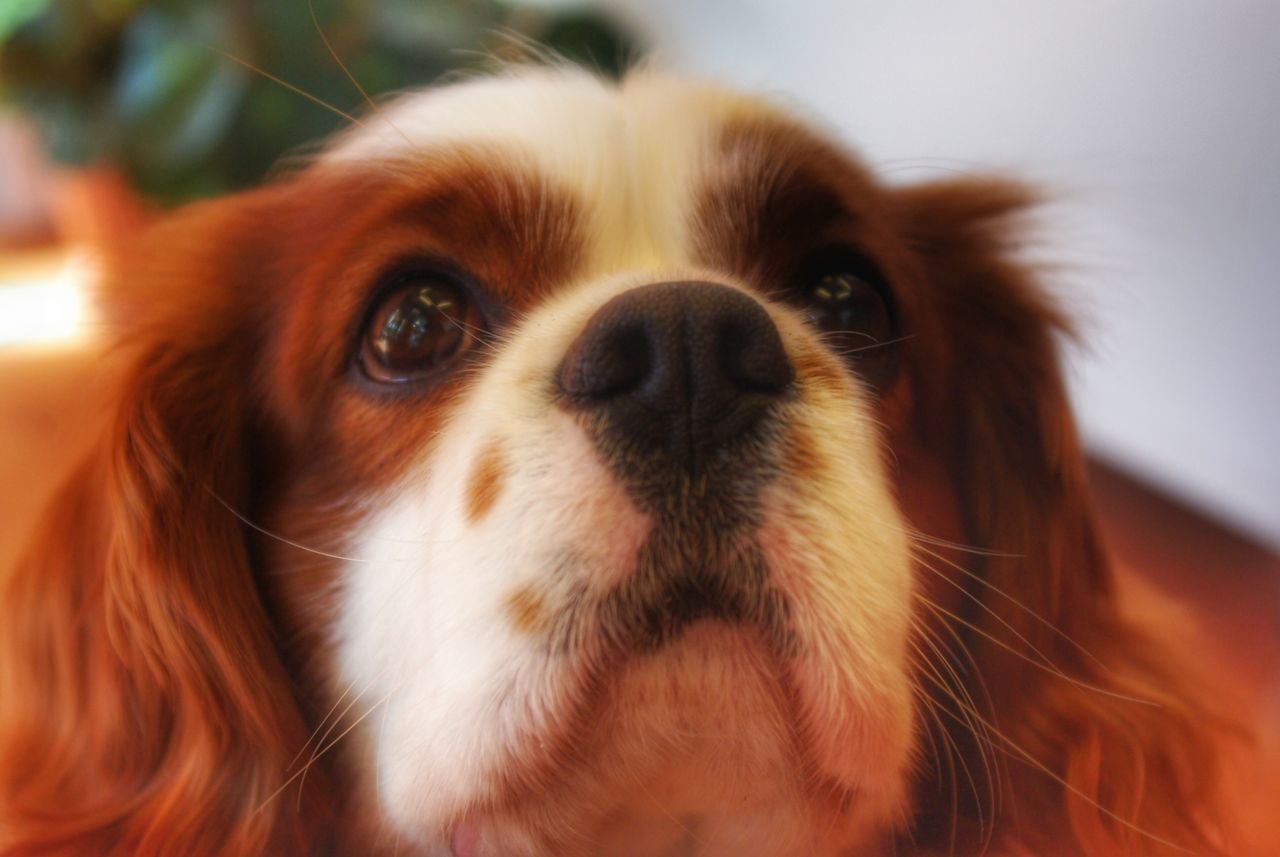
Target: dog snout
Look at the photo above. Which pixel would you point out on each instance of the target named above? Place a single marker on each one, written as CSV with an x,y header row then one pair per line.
x,y
682,367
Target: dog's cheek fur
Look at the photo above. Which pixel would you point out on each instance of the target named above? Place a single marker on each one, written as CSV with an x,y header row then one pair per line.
x,y
836,544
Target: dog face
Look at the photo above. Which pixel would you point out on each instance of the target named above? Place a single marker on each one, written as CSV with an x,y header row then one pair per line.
x,y
636,565
556,456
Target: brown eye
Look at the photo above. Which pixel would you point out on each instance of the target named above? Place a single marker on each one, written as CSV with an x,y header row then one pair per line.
x,y
844,297
851,312
418,330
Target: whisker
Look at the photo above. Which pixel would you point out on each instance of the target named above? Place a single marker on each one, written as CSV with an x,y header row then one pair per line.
x,y
952,754
949,166
990,762
848,352
282,539
981,604
927,703
926,663
997,590
389,599
315,754
1029,759
287,85
324,39
985,756
1047,666
937,541
921,536
327,732
326,749
523,48
323,720
325,554
479,333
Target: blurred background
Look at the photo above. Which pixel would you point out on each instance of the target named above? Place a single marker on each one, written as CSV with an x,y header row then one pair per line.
x,y
1153,124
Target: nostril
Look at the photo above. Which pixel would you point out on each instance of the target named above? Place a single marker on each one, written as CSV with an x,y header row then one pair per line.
x,y
751,354
615,361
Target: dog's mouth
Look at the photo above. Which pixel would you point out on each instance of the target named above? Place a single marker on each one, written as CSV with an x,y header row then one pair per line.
x,y
684,725
687,746
681,575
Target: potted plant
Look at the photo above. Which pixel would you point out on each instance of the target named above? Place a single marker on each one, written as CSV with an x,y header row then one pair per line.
x,y
168,100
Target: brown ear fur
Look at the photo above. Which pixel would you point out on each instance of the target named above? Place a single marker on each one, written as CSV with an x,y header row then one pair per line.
x,y
143,706
1101,748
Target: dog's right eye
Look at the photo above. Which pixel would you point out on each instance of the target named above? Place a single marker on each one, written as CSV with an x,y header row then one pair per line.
x,y
850,311
845,297
418,329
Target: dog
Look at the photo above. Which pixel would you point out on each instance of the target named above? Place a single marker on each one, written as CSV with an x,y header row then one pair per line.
x,y
553,466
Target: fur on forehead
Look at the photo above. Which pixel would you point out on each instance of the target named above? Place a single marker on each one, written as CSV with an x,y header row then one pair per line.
x,y
550,112
626,149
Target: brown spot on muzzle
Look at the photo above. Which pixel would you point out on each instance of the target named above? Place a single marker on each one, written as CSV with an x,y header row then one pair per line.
x,y
485,483
527,611
801,459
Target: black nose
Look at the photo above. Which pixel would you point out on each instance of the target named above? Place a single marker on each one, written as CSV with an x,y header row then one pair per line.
x,y
679,367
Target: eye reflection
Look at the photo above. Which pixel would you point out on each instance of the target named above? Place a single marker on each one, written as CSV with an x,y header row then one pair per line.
x,y
848,307
417,331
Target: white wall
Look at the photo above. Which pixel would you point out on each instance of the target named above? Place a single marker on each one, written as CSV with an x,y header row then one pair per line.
x,y
1156,122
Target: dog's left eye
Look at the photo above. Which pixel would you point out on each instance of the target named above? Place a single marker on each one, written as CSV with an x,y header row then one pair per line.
x,y
418,330
851,310
845,297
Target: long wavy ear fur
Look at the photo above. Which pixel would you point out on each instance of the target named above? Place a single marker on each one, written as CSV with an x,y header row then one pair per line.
x,y
143,706
1102,745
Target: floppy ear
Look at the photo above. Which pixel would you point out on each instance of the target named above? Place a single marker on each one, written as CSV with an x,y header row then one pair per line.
x,y
1078,709
143,706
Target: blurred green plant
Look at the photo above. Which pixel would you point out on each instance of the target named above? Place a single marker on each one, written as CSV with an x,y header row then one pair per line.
x,y
172,91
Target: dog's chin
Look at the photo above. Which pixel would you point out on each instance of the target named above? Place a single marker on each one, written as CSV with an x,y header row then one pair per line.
x,y
688,748
722,704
